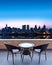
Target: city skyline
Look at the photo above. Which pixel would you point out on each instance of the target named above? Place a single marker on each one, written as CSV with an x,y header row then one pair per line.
x,y
31,23
16,13
25,26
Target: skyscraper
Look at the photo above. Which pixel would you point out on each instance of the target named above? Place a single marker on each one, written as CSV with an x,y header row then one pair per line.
x,y
24,28
27,28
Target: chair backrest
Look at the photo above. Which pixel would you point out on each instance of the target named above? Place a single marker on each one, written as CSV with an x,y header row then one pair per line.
x,y
42,47
10,47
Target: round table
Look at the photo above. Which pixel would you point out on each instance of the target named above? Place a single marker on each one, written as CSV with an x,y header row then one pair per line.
x,y
26,49
26,45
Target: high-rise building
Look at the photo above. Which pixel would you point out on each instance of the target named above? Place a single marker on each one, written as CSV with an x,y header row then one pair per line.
x,y
6,26
27,28
23,28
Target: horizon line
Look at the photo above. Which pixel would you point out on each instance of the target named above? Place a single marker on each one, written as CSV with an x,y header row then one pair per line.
x,y
25,25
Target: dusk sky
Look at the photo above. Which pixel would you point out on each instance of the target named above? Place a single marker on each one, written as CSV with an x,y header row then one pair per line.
x,y
20,12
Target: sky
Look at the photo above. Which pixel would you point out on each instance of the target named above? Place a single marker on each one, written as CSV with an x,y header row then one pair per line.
x,y
16,13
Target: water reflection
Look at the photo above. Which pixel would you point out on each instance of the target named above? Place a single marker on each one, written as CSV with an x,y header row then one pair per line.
x,y
27,37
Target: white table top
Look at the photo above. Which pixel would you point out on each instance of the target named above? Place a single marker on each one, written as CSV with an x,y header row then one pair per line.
x,y
26,45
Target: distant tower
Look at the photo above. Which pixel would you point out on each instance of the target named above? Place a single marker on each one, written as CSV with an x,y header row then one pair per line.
x,y
44,26
6,26
24,28
35,26
27,27
39,28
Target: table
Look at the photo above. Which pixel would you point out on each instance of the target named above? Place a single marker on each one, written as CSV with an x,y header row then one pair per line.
x,y
26,45
26,49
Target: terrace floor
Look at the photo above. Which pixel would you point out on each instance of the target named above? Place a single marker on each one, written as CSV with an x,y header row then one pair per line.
x,y
27,60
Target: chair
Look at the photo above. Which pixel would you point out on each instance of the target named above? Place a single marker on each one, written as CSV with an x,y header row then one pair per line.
x,y
25,52
13,50
40,49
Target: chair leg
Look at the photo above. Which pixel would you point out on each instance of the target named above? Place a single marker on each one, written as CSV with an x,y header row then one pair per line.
x,y
13,58
22,57
39,57
45,56
30,56
7,55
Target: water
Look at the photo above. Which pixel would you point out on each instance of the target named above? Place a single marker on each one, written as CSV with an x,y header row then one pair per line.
x,y
27,37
